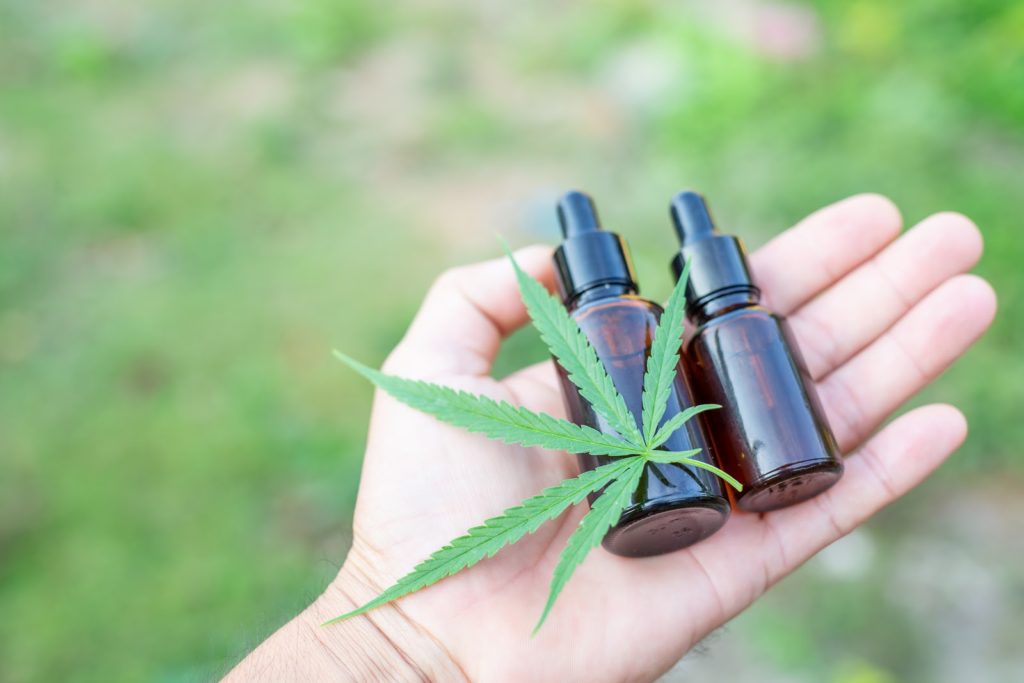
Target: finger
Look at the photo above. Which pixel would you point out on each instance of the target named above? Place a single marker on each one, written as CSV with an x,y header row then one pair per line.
x,y
822,248
849,315
862,393
536,387
466,314
897,459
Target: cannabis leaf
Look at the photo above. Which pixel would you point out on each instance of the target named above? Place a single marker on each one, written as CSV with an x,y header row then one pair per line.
x,y
633,447
494,534
664,358
495,419
686,458
678,420
569,345
595,524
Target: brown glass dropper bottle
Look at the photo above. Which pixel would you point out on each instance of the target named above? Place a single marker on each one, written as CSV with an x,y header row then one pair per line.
x,y
674,506
771,432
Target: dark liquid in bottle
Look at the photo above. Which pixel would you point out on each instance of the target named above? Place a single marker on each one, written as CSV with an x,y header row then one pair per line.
x,y
674,506
771,433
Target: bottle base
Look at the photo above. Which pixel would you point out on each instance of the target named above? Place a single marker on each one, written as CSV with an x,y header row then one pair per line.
x,y
667,530
790,485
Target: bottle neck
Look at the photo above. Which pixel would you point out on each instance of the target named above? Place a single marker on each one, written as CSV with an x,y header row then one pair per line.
x,y
598,292
723,302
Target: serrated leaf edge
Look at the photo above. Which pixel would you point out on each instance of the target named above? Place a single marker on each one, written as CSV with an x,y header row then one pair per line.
x,y
484,415
573,351
663,359
554,500
604,513
674,423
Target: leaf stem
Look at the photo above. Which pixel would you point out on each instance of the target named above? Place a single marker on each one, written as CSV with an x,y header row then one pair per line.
x,y
684,458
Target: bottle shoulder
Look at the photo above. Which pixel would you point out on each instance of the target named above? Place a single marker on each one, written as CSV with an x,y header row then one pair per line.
x,y
630,304
754,315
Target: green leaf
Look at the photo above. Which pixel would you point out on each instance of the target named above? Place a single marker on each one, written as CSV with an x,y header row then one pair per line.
x,y
569,345
603,514
495,419
677,421
671,456
494,534
634,446
686,458
663,361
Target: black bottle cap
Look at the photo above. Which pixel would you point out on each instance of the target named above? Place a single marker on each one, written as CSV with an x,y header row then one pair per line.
x,y
588,256
719,264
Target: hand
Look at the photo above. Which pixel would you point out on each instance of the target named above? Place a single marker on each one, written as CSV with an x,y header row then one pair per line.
x,y
877,318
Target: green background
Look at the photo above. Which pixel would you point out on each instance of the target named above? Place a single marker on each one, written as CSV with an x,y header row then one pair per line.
x,y
199,200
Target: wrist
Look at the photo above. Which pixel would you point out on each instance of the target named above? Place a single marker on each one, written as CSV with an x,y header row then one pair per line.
x,y
383,637
381,645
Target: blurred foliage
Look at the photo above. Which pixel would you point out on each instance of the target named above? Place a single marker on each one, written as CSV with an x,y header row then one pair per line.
x,y
199,200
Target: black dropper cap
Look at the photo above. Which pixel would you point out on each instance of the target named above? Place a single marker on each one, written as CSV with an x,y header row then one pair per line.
x,y
719,264
588,256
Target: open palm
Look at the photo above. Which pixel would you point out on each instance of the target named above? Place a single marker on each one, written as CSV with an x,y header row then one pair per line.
x,y
877,319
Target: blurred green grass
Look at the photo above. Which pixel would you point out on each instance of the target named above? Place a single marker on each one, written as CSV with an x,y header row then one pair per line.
x,y
199,201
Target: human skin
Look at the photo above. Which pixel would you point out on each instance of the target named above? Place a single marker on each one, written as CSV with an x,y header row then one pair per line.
x,y
878,315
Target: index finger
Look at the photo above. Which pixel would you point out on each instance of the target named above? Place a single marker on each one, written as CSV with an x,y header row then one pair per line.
x,y
466,314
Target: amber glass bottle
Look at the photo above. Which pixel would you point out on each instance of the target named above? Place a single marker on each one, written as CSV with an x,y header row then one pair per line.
x,y
674,506
771,432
